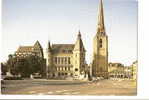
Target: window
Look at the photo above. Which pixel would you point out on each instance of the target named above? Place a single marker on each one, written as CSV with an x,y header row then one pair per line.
x,y
55,60
100,43
101,70
68,60
69,51
62,60
76,69
69,68
100,40
58,60
65,60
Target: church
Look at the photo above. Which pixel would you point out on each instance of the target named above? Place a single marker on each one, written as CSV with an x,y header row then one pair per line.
x,y
100,47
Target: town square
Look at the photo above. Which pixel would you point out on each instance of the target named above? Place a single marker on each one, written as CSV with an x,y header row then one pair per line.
x,y
66,65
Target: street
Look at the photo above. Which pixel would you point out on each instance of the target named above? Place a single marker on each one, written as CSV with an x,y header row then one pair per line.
x,y
65,87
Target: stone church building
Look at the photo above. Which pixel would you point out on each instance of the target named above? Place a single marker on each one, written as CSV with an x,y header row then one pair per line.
x,y
100,48
66,59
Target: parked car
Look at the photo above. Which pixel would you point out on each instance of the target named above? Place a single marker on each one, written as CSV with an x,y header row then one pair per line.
x,y
36,76
12,78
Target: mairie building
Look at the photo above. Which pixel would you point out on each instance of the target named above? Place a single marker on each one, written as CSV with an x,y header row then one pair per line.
x,y
66,59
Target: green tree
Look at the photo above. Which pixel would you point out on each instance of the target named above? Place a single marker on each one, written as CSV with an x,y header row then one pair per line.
x,y
26,66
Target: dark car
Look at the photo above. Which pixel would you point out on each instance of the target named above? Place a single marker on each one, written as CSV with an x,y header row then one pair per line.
x,y
12,78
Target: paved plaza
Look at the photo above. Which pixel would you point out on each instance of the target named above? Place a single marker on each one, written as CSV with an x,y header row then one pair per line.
x,y
65,87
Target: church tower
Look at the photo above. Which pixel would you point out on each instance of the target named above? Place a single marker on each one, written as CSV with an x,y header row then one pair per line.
x,y
100,47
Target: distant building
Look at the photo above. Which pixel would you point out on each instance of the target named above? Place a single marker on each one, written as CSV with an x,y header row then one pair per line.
x,y
66,59
128,72
100,48
134,70
116,70
35,50
24,51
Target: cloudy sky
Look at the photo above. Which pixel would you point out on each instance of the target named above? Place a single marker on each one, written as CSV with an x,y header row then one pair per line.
x,y
25,21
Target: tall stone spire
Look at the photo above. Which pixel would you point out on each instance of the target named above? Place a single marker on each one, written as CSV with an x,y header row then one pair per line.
x,y
101,27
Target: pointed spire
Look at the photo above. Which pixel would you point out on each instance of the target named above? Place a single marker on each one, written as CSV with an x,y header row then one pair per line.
x,y
101,27
79,33
49,46
79,44
37,44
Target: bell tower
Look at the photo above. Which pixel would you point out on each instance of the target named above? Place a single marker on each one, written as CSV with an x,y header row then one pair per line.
x,y
100,47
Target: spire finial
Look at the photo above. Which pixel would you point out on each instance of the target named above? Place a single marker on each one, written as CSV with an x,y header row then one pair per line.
x,y
49,45
101,27
79,33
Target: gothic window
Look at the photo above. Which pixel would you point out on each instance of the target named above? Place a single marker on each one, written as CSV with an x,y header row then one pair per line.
x,y
100,43
76,69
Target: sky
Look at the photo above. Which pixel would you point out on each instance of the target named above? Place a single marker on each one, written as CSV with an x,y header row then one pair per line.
x,y
26,21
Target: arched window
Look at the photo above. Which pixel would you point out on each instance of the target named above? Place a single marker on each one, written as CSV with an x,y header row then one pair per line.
x,y
100,43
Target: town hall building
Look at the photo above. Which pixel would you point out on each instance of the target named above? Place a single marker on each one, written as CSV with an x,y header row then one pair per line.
x,y
66,59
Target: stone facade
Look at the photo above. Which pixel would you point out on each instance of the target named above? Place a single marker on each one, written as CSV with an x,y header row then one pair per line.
x,y
66,59
116,70
100,48
134,70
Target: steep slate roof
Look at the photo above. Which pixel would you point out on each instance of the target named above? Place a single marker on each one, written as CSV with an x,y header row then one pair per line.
x,y
37,44
25,49
62,48
79,44
29,48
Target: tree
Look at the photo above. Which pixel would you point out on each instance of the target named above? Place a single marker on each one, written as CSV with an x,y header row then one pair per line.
x,y
4,68
25,65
